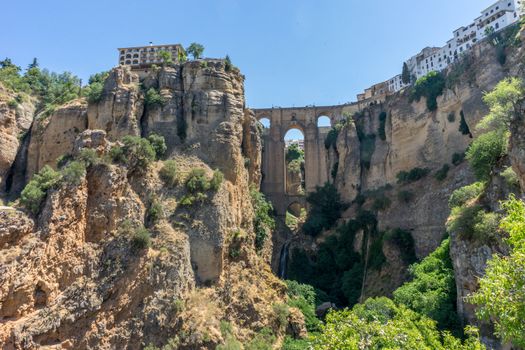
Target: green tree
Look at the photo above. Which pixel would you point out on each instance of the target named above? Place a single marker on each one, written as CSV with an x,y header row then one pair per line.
x,y
429,86
506,103
326,208
485,151
405,75
33,64
381,324
195,50
501,295
166,57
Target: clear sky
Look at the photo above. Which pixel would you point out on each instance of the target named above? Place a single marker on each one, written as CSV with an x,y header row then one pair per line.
x,y
292,52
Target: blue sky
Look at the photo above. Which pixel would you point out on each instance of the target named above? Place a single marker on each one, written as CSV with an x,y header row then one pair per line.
x,y
293,52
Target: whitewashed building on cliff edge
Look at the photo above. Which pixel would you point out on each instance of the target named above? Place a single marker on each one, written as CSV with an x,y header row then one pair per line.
x,y
498,16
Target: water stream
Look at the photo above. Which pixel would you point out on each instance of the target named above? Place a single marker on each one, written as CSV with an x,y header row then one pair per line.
x,y
283,260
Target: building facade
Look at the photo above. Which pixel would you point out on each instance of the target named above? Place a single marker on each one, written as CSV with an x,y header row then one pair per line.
x,y
496,17
144,56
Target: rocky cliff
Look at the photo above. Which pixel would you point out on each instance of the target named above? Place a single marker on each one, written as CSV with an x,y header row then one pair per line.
x,y
74,275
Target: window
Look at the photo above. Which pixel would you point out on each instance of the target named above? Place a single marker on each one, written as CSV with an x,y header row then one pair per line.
x,y
497,25
128,62
135,61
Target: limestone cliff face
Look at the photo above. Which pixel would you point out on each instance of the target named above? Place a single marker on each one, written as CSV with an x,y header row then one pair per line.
x,y
72,277
416,137
15,121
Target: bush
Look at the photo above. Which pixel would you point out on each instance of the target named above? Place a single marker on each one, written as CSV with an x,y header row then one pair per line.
x,y
405,196
432,289
141,238
263,340
137,153
228,66
405,242
153,98
281,314
385,325
294,152
326,208
457,158
376,257
159,145
155,211
168,173
295,344
429,86
263,221
73,173
93,92
216,180
12,103
88,156
511,178
473,223
382,123
501,296
302,296
442,173
464,194
381,203
197,181
485,151
416,174
35,191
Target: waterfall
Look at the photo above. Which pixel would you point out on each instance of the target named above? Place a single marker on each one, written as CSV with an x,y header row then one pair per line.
x,y
283,261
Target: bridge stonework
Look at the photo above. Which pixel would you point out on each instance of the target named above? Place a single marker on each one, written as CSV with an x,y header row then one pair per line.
x,y
317,170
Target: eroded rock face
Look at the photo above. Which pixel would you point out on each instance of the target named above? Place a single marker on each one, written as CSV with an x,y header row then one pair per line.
x,y
15,121
54,135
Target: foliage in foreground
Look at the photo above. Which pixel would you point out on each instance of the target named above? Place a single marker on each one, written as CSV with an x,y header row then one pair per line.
x,y
501,296
432,290
485,151
381,324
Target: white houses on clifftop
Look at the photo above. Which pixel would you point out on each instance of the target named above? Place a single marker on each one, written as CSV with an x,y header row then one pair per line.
x,y
498,16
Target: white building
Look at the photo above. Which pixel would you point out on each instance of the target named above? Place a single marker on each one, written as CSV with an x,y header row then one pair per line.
x,y
395,84
145,56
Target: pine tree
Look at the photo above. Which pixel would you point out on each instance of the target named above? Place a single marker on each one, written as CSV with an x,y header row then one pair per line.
x,y
405,76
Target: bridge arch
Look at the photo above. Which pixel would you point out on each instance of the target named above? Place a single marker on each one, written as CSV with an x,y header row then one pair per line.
x,y
324,121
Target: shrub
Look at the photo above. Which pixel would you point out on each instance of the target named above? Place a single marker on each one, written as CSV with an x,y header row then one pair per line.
x,y
381,203
442,173
93,92
432,289
263,340
88,156
159,145
12,103
294,152
405,177
302,296
63,160
281,314
153,98
405,242
295,344
405,196
511,178
155,211
457,158
197,181
334,170
168,173
464,194
216,180
326,208
501,296
73,173
141,238
382,123
451,117
331,137
263,222
385,325
485,151
137,153
228,66
472,222
429,86
35,191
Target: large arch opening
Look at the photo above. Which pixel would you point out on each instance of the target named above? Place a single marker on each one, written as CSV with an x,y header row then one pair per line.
x,y
294,162
265,123
324,121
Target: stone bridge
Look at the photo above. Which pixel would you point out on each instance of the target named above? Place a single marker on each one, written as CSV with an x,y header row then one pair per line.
x,y
317,171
